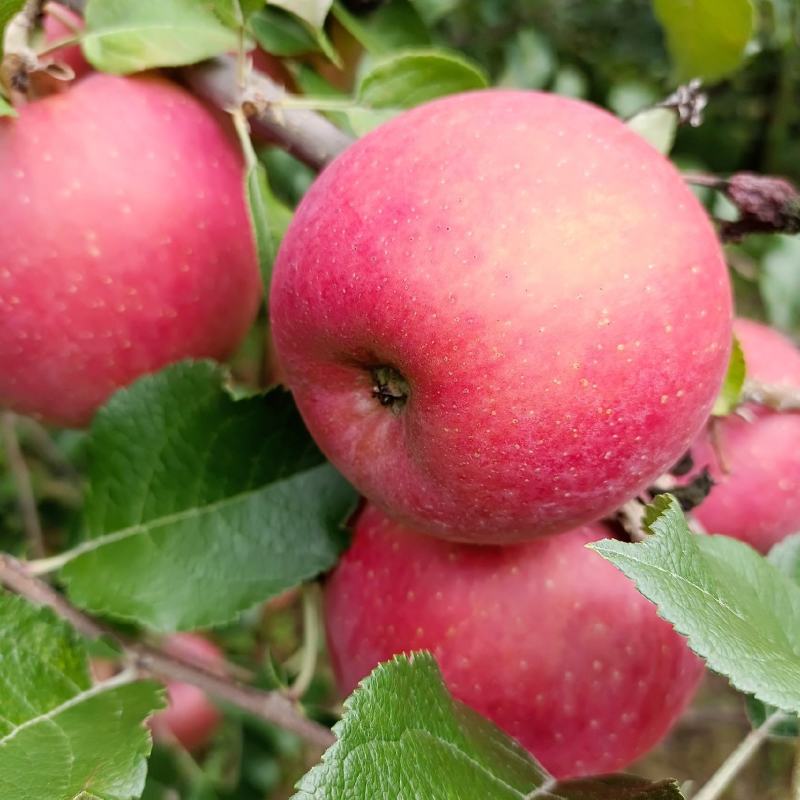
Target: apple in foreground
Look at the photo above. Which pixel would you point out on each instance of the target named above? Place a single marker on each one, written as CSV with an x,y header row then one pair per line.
x,y
546,639
190,717
755,462
125,243
501,315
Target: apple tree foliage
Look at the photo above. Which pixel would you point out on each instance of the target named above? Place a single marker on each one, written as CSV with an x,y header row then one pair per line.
x,y
202,502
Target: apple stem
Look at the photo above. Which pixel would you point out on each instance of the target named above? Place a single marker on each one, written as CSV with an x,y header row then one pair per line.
x,y
311,641
737,760
147,660
19,60
26,499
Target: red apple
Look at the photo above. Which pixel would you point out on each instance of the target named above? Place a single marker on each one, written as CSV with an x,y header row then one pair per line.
x,y
501,314
190,717
125,243
755,462
546,639
61,23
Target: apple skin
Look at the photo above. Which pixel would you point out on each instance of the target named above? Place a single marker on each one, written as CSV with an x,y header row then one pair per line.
x,y
551,293
546,639
55,31
190,717
756,497
125,243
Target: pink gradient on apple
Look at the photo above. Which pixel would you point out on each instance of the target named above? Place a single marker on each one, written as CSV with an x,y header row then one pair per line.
x,y
190,717
125,243
501,314
756,497
546,639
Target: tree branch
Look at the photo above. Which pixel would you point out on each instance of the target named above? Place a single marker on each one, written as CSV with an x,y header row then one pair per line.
x,y
304,133
272,707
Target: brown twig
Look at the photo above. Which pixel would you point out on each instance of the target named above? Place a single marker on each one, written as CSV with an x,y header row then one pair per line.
x,y
273,707
309,136
26,499
19,60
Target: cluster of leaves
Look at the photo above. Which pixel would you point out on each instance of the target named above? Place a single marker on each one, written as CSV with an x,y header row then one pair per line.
x,y
190,485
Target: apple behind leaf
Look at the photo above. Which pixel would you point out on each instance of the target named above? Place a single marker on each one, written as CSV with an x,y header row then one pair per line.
x,y
190,717
755,462
501,315
125,243
546,639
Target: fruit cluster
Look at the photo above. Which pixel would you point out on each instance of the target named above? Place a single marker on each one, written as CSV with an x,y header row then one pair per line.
x,y
502,315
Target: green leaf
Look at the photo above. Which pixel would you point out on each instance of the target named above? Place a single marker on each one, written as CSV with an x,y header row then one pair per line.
x,y
6,109
312,11
706,38
432,11
269,217
408,79
393,26
60,737
658,126
740,613
281,34
201,506
124,37
402,729
731,392
779,283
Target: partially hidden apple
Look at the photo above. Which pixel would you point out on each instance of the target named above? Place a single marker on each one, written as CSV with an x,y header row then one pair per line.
x,y
545,638
61,24
755,461
190,717
125,243
501,315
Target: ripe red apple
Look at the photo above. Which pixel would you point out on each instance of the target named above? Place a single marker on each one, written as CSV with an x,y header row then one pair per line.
x,y
546,639
61,23
125,243
190,717
755,462
501,314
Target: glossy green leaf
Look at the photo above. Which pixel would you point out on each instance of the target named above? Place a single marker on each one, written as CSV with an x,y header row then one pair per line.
x,y
706,38
60,737
201,506
408,79
402,729
393,26
740,613
730,394
124,37
282,34
6,109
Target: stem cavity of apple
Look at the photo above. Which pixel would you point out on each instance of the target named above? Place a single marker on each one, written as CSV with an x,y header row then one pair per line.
x,y
389,388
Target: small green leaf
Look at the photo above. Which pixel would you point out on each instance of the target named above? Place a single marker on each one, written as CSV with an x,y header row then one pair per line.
x,y
402,729
269,217
6,109
393,26
312,11
281,34
199,505
740,613
706,38
60,737
124,37
731,392
658,126
779,283
408,79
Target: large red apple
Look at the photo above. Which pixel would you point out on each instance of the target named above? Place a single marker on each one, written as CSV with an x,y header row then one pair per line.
x,y
755,462
190,717
501,315
546,639
125,243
